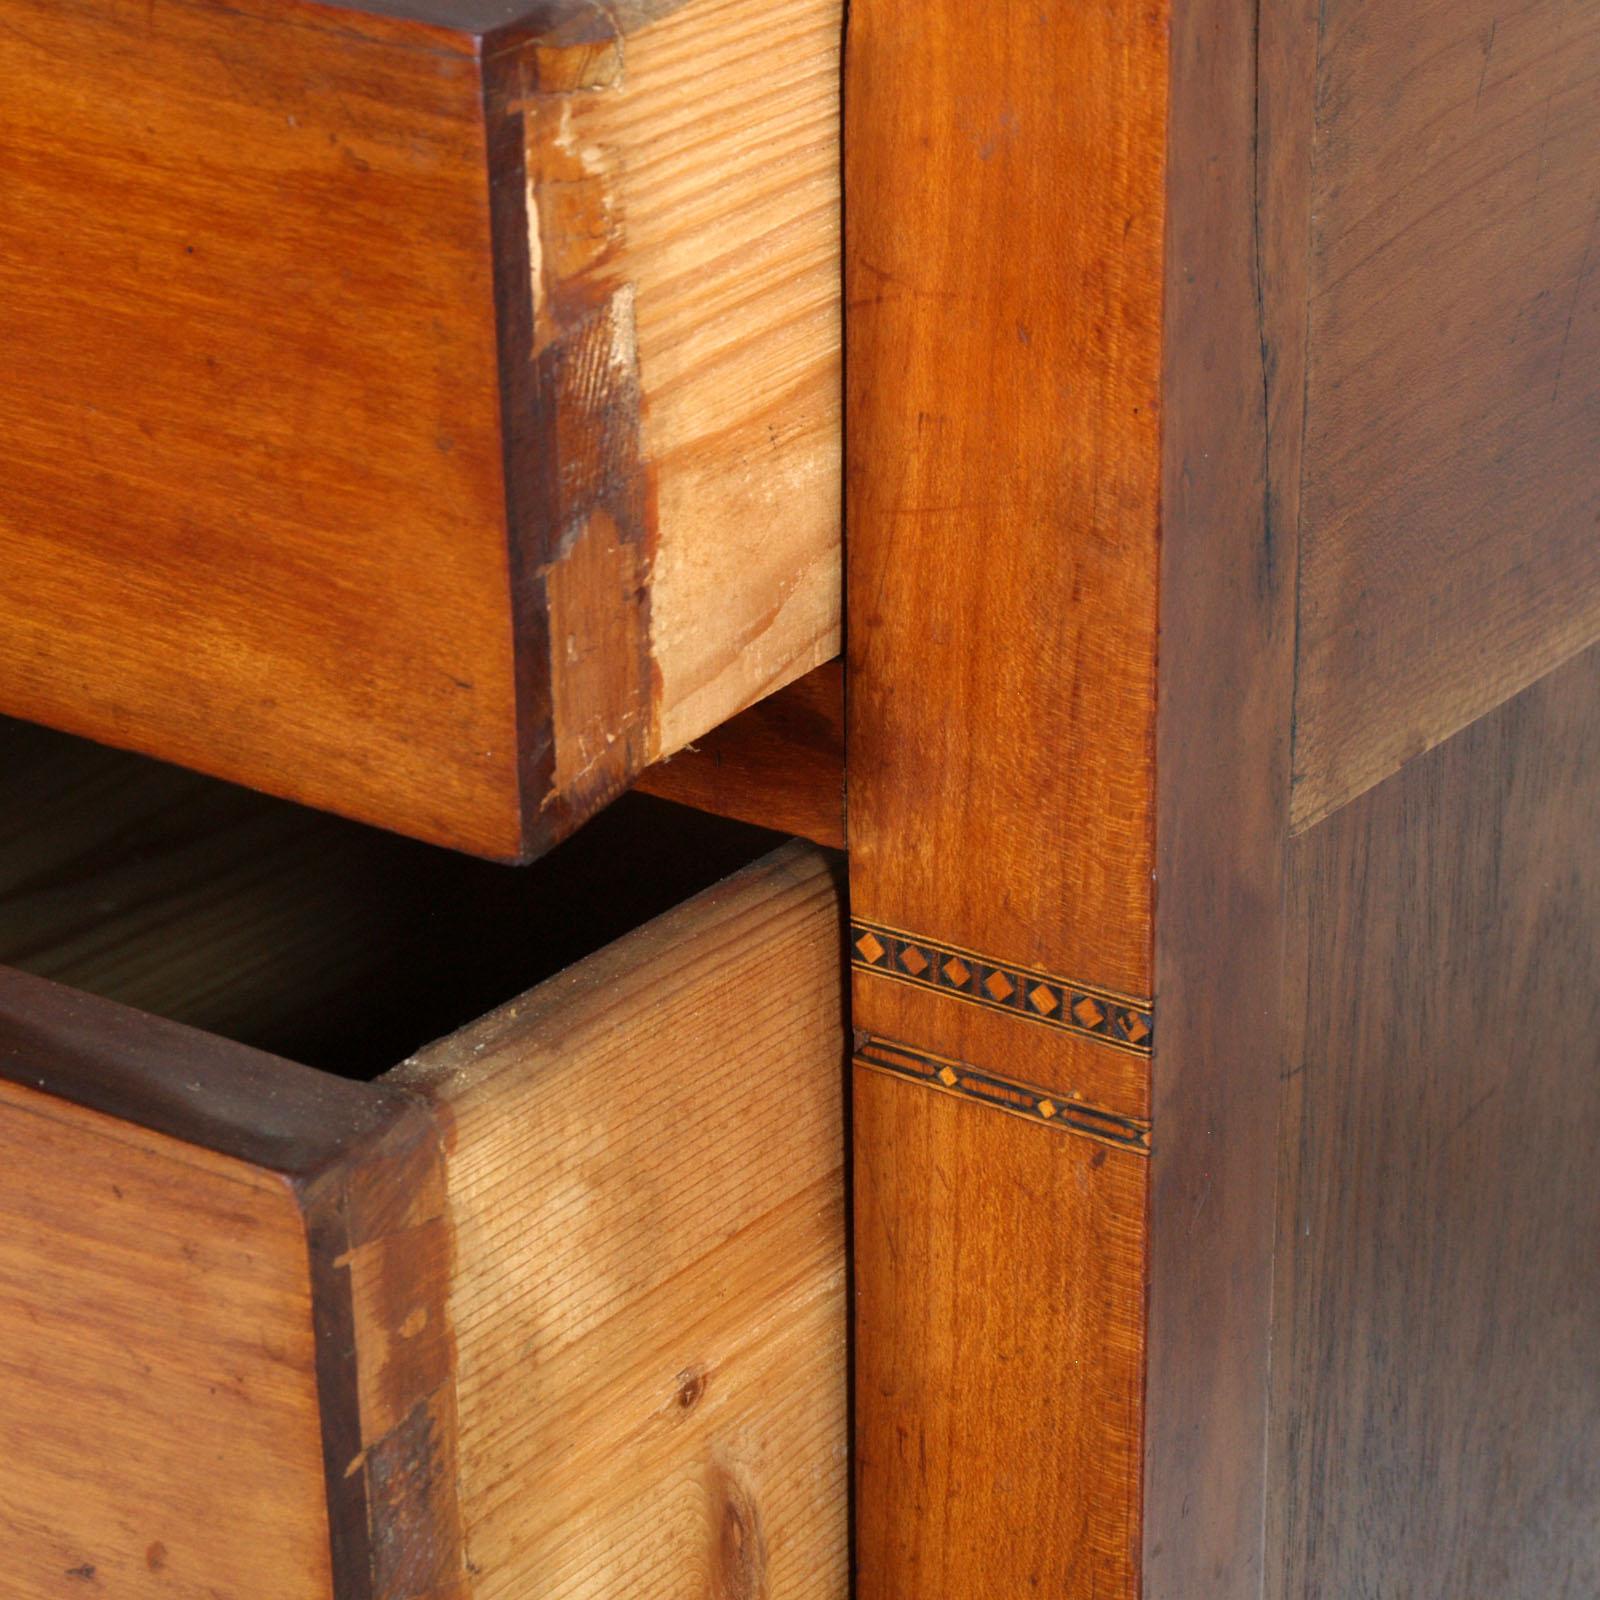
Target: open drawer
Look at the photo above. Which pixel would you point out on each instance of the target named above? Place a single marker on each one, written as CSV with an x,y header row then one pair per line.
x,y
554,1308
427,410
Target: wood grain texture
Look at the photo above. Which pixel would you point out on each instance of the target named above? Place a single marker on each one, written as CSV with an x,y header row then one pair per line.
x,y
249,248
196,1398
1235,244
144,1283
779,764
1293,136
999,1322
1005,190
1014,586
1452,402
639,1228
729,190
394,352
645,1179
300,933
1435,1404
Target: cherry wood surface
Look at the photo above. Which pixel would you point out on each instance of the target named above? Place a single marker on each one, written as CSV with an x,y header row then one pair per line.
x,y
429,413
780,764
1003,315
182,1353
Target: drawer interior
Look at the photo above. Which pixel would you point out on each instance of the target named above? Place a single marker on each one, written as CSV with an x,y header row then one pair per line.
x,y
302,934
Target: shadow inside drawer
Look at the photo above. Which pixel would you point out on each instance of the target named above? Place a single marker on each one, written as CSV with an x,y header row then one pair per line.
x,y
297,932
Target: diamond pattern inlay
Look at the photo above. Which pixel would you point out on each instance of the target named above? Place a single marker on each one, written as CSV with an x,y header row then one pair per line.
x,y
999,986
1088,1014
1022,992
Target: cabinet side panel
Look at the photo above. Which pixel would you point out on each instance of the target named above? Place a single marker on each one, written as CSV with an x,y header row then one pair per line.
x,y
159,1425
1452,465
253,511
646,1184
1435,1402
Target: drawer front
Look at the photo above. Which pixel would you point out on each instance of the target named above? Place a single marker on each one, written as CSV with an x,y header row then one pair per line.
x,y
429,412
269,1332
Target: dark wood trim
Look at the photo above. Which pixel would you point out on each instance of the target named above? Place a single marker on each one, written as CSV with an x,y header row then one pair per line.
x,y
191,1086
386,1363
580,496
524,427
1227,619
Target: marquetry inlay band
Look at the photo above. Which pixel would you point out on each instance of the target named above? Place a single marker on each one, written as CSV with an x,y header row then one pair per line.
x,y
968,1082
1120,1020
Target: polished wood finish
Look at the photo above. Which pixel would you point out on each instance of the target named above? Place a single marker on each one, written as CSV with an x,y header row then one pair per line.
x,y
142,1283
1223,752
779,764
1015,589
404,401
1002,468
1015,1282
646,1189
1349,486
1452,375
190,1359
1435,1407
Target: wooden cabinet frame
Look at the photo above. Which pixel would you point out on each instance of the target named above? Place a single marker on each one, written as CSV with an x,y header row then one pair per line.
x,y
1220,512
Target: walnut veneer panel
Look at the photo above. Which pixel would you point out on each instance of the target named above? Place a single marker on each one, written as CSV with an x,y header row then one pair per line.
x,y
1451,491
1435,1406
426,412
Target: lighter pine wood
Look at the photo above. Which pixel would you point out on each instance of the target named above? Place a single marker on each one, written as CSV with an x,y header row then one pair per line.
x,y
723,136
649,1287
159,1430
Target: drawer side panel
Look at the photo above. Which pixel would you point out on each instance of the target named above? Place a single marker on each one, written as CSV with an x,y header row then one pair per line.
x,y
647,1191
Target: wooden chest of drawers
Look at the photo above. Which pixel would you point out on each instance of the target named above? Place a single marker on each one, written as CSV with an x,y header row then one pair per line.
x,y
428,409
